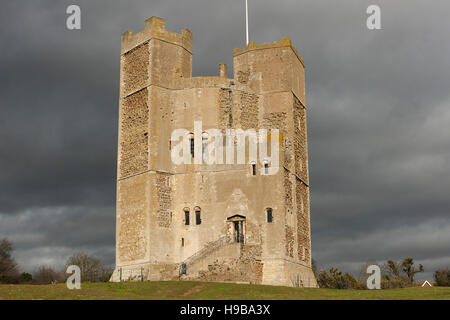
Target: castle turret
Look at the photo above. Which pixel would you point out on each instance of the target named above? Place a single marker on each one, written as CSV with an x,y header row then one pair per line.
x,y
153,62
163,55
271,68
276,71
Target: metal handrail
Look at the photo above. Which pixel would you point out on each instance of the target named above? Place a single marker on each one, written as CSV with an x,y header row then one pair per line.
x,y
207,249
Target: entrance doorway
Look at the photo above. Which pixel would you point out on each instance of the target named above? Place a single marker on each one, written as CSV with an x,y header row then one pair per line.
x,y
236,228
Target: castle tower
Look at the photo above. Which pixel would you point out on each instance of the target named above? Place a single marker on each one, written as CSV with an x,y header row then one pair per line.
x,y
211,222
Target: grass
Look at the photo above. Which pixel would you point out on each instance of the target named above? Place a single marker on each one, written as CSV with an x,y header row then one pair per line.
x,y
174,290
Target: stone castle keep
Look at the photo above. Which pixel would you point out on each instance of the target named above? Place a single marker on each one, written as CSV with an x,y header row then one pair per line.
x,y
220,222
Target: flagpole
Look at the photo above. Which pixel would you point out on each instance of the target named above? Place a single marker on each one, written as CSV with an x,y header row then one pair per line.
x,y
246,19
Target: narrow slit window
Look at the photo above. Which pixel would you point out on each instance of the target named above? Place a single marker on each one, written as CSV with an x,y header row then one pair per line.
x,y
253,169
198,219
269,215
191,140
186,217
182,242
266,168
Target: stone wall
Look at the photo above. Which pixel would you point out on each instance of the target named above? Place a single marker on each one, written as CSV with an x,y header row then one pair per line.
x,y
248,116
242,76
290,241
247,268
133,157
164,190
300,142
135,69
225,109
132,218
287,190
303,223
275,120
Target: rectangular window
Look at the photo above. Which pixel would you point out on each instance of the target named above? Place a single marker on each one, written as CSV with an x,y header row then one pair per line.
x,y
266,168
253,169
186,218
182,242
192,146
269,215
198,219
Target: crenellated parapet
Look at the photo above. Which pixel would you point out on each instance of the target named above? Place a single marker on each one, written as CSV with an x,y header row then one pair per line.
x,y
270,68
155,29
285,42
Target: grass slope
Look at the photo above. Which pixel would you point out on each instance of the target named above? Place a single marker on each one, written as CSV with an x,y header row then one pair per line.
x,y
173,290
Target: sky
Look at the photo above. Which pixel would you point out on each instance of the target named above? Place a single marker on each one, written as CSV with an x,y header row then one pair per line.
x,y
378,107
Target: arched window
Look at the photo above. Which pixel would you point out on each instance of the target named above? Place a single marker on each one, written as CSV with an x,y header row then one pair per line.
x,y
269,215
186,216
198,218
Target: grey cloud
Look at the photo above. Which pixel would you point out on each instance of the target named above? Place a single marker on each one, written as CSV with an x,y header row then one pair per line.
x,y
378,114
52,234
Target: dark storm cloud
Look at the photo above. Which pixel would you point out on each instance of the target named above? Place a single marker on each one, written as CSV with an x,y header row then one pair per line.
x,y
378,120
50,234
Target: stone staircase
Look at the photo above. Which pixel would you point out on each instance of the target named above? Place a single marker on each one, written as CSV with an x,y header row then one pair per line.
x,y
200,260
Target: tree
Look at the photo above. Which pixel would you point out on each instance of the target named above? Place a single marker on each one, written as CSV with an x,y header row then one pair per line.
x,y
334,279
8,267
46,275
392,275
25,277
91,268
409,269
394,268
442,277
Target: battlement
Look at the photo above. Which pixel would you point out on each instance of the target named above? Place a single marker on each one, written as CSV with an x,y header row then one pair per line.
x,y
285,42
155,28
